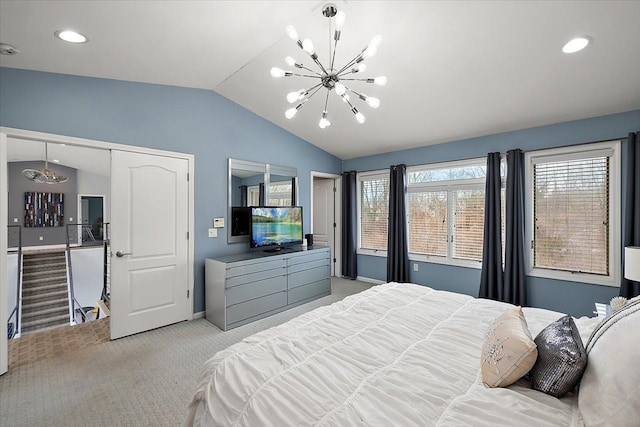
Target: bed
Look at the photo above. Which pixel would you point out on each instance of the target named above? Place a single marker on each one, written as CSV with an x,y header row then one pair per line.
x,y
393,355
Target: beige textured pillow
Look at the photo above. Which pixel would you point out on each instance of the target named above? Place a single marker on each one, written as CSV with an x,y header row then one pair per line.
x,y
610,387
508,352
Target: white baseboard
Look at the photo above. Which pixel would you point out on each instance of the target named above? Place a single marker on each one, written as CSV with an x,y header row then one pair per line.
x,y
369,280
198,315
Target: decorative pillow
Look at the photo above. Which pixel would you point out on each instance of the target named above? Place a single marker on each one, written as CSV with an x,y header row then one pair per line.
x,y
561,358
508,352
611,383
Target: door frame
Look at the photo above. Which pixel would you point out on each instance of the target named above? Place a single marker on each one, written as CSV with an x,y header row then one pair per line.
x,y
337,242
7,132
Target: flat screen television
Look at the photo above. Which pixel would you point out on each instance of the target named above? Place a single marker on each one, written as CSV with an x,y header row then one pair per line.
x,y
275,227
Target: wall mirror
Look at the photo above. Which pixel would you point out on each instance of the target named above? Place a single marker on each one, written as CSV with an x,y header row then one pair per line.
x,y
256,184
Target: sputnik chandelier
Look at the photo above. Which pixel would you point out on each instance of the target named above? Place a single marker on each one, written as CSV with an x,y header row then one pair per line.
x,y
330,78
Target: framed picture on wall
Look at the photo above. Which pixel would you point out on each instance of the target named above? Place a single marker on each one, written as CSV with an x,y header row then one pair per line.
x,y
43,209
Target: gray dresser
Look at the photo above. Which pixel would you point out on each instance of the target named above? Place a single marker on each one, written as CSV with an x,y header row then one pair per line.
x,y
246,287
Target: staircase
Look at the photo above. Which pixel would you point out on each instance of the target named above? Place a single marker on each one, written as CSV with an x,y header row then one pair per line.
x,y
45,295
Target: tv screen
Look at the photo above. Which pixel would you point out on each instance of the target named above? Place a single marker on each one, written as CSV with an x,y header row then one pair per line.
x,y
276,227
240,221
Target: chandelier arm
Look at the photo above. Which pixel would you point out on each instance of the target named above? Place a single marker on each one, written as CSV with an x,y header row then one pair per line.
x,y
307,75
319,64
326,100
359,80
351,63
314,72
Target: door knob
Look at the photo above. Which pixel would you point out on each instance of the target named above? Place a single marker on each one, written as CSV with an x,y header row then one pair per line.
x,y
120,254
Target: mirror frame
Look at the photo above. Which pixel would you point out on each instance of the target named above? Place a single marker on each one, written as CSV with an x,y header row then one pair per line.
x,y
246,166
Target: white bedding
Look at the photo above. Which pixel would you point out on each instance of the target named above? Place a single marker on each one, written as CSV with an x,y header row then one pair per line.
x,y
394,355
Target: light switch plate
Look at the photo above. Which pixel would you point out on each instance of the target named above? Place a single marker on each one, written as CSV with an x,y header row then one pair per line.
x,y
15,219
213,232
218,222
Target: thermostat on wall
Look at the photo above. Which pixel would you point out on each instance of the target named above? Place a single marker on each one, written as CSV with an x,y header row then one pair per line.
x,y
218,222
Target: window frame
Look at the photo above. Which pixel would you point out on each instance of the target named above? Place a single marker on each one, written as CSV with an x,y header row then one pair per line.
x,y
611,148
449,186
365,176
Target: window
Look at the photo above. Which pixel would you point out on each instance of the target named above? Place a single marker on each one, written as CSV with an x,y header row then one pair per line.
x,y
280,193
574,230
373,196
445,205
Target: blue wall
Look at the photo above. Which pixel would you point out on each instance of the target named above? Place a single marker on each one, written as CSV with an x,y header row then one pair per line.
x,y
569,297
194,121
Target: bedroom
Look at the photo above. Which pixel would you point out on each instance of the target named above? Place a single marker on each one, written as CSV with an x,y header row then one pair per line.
x,y
67,99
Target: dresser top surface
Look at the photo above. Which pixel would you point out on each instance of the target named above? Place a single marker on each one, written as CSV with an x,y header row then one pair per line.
x,y
262,255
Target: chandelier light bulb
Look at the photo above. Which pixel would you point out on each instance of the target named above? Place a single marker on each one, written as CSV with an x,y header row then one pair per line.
x,y
576,45
340,89
290,61
373,102
277,72
360,117
307,45
292,33
293,97
290,113
380,80
375,42
369,52
360,68
324,123
340,18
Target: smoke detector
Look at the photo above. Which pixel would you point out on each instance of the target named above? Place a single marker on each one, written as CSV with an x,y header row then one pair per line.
x,y
7,49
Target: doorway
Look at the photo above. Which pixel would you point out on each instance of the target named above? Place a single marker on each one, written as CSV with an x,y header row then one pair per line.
x,y
325,215
91,214
187,281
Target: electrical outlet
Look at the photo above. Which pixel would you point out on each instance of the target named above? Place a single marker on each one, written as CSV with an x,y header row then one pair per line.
x,y
218,222
41,238
213,232
415,266
15,219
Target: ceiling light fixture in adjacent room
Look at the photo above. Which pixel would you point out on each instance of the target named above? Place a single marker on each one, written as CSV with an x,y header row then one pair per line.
x,y
7,49
44,176
328,77
70,36
576,44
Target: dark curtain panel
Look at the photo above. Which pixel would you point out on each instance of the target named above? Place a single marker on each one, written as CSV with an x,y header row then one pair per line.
x,y
243,195
514,279
631,232
293,192
261,194
492,277
349,224
397,248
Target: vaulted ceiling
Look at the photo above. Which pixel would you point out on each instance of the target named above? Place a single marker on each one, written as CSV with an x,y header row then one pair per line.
x,y
455,69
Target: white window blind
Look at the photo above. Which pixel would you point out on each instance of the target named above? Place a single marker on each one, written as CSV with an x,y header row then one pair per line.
x,y
374,212
428,222
468,226
571,214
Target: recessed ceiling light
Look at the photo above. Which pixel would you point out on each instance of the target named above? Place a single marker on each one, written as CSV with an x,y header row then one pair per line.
x,y
576,45
70,36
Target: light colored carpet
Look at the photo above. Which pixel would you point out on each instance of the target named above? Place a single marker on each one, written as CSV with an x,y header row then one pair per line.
x,y
142,380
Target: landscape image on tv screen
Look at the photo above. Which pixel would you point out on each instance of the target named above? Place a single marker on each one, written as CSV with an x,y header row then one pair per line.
x,y
276,226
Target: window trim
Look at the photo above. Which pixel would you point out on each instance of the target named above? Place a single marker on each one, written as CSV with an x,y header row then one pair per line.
x,y
611,148
363,176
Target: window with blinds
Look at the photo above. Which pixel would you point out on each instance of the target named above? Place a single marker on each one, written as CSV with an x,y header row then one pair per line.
x,y
446,211
571,214
374,211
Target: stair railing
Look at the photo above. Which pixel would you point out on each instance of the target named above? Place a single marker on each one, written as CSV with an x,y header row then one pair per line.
x,y
16,310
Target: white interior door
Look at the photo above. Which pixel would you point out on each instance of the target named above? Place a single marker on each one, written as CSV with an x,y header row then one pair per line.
x,y
149,242
324,215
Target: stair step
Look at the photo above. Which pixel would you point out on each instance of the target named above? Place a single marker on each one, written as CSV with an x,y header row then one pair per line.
x,y
43,289
39,266
40,325
44,305
43,257
46,313
32,283
42,297
44,273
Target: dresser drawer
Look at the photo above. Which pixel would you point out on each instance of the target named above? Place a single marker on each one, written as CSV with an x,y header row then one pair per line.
x,y
309,291
308,276
248,291
255,307
239,269
308,265
308,257
257,276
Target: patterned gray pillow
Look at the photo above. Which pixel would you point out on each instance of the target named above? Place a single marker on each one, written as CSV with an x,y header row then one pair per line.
x,y
562,358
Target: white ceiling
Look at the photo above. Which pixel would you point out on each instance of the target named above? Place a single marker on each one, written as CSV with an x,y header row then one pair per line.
x,y
455,69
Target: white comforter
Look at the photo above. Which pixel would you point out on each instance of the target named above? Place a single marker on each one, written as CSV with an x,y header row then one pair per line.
x,y
394,355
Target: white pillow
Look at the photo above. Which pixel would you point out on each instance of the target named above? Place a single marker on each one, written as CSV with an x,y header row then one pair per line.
x,y
610,387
